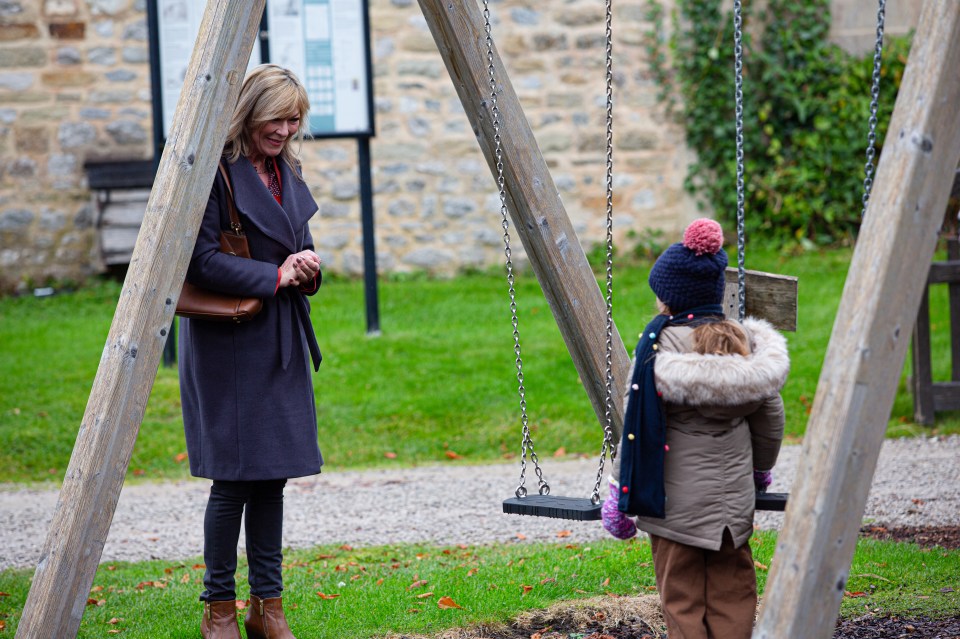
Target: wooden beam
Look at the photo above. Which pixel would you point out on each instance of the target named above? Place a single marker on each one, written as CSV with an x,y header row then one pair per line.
x,y
539,218
868,345
128,366
768,296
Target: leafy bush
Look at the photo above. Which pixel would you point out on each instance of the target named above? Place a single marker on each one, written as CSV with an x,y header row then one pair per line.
x,y
806,114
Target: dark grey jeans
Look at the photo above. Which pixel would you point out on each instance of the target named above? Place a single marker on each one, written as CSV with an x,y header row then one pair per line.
x,y
260,505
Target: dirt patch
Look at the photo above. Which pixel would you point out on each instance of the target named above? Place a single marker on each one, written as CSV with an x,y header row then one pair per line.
x,y
947,537
889,627
609,617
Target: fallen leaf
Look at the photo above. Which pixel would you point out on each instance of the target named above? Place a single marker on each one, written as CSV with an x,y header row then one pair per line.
x,y
113,621
3,625
606,582
186,578
560,452
7,594
199,566
96,602
564,533
114,631
547,581
241,604
859,593
379,581
526,588
326,596
413,610
758,565
444,603
181,457
452,455
424,595
472,572
390,455
521,536
94,589
417,584
346,547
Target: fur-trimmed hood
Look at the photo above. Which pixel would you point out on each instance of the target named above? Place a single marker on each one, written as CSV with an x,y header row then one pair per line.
x,y
692,379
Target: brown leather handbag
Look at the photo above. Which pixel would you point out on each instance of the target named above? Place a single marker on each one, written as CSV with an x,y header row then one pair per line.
x,y
199,303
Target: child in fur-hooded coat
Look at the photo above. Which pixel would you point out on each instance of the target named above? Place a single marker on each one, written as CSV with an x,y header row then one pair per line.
x,y
721,426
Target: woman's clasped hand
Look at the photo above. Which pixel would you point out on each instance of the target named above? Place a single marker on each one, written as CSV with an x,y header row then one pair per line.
x,y
299,269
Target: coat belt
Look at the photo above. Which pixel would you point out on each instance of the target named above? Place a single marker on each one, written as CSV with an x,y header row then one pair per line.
x,y
287,335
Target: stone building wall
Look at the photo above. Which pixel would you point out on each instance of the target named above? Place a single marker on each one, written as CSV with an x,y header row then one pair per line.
x,y
75,88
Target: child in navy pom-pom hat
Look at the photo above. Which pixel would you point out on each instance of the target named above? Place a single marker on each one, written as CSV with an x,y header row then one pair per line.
x,y
703,411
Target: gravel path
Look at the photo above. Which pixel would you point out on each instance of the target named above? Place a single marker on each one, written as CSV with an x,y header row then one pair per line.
x,y
917,484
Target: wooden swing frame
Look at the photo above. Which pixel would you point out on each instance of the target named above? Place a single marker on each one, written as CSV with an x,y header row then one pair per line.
x,y
857,383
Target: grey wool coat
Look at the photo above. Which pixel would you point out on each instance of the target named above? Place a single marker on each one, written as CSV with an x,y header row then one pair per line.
x,y
246,389
725,418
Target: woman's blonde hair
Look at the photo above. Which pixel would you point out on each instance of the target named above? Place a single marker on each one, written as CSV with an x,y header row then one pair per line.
x,y
269,92
721,338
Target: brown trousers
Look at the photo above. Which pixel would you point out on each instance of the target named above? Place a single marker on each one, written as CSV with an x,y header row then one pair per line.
x,y
705,594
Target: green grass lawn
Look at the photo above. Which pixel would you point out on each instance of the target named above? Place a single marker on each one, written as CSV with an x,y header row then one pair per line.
x,y
365,592
438,386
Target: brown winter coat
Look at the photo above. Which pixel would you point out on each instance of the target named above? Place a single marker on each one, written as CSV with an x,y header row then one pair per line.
x,y
725,418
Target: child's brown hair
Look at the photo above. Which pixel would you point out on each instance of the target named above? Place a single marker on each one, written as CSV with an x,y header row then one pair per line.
x,y
721,338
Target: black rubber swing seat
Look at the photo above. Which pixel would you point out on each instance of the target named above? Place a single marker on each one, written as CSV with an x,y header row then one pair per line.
x,y
576,508
772,501
582,509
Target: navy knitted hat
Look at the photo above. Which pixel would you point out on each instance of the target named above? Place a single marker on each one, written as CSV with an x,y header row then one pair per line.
x,y
690,273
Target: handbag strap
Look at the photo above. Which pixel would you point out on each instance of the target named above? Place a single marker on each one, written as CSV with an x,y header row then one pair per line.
x,y
231,205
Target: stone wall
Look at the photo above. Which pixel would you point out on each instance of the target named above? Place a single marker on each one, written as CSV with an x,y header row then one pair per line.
x,y
75,88
436,203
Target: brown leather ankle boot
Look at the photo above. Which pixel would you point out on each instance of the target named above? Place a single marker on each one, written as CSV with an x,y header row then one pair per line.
x,y
220,620
265,619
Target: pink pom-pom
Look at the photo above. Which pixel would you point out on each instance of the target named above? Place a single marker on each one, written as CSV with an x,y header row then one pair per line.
x,y
703,236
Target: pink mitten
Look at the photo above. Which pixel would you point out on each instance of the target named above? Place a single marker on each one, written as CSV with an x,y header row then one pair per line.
x,y
615,522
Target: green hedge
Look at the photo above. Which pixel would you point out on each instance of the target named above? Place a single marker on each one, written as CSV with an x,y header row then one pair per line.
x,y
806,114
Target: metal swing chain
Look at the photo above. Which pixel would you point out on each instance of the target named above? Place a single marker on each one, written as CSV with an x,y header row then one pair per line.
x,y
738,93
874,106
543,486
608,401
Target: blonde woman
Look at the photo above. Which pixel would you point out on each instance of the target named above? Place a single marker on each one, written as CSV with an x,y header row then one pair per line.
x,y
246,389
